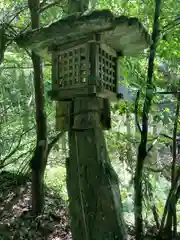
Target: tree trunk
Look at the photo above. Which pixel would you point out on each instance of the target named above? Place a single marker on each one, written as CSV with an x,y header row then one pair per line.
x,y
39,159
93,186
3,42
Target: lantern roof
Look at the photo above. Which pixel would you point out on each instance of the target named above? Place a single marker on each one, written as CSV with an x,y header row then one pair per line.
x,y
123,34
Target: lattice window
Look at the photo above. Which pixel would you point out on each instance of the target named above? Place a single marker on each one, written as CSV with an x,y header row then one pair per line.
x,y
86,69
107,70
73,67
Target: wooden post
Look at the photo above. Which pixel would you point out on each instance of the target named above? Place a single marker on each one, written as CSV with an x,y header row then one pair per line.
x,y
94,198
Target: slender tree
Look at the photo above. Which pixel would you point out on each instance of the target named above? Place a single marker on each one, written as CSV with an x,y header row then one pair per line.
x,y
39,159
142,150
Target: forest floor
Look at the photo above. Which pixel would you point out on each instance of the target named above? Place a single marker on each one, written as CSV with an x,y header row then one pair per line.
x,y
16,221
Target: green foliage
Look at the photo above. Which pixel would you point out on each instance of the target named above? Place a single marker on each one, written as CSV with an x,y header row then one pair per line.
x,y
17,105
55,179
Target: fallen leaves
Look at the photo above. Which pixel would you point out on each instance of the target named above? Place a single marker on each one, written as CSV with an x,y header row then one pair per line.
x,y
16,221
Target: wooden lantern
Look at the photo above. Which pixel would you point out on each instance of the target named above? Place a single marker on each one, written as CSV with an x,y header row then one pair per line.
x,y
86,68
83,68
84,51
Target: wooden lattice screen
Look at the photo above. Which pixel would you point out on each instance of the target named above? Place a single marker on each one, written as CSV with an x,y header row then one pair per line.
x,y
107,69
73,68
90,64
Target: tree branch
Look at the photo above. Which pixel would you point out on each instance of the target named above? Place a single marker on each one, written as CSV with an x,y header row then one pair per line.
x,y
47,6
156,217
136,111
54,141
16,148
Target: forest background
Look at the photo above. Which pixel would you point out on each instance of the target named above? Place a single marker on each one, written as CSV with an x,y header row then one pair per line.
x,y
18,104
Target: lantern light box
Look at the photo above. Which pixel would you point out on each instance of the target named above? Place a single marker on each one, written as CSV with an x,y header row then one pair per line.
x,y
89,68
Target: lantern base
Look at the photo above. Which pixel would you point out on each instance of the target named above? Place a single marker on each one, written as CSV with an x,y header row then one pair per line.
x,y
65,94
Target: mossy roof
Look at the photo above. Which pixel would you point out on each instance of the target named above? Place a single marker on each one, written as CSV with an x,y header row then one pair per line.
x,y
123,34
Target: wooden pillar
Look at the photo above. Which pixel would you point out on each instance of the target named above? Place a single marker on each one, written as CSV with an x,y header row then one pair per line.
x,y
94,197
